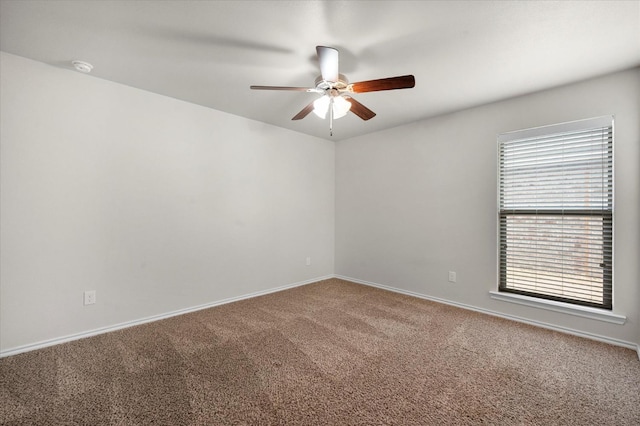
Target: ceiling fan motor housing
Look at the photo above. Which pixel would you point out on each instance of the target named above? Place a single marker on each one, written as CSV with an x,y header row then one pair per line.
x,y
341,84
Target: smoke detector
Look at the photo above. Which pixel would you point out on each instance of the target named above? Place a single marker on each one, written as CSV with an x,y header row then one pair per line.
x,y
82,66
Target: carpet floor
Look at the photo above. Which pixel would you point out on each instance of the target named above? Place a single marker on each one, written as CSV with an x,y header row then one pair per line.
x,y
328,353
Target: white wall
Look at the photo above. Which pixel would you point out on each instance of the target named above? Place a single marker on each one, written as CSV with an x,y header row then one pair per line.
x,y
417,201
156,204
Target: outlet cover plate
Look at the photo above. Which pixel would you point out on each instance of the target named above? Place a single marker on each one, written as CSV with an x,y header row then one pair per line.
x,y
89,297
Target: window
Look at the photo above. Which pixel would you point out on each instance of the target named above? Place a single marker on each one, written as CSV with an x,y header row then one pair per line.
x,y
556,212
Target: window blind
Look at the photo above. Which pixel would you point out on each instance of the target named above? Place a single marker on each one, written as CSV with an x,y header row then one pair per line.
x,y
556,212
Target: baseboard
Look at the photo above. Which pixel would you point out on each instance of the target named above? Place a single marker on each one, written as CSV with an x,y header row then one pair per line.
x,y
107,329
94,332
541,324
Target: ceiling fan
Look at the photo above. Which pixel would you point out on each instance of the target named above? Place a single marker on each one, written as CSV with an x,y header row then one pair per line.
x,y
336,89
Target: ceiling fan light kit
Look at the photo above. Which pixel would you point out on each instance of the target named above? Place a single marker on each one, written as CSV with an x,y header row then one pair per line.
x,y
335,90
338,105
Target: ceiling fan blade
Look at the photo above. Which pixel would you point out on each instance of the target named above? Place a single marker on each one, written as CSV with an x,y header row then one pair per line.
x,y
360,110
328,59
391,83
305,111
297,89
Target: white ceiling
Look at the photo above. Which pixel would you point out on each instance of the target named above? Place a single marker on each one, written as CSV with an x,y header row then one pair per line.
x,y
462,53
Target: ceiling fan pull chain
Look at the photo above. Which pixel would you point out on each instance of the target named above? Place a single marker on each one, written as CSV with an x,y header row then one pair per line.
x,y
331,117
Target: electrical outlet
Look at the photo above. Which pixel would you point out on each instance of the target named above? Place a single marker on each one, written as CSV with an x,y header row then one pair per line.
x,y
89,297
308,261
452,277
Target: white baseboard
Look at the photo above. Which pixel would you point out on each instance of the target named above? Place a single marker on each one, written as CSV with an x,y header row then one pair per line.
x,y
107,329
94,332
562,329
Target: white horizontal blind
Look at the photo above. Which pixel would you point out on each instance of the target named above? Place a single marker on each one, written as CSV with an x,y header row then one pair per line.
x,y
556,212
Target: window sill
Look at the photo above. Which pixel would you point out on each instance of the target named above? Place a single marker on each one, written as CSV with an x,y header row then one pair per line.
x,y
565,308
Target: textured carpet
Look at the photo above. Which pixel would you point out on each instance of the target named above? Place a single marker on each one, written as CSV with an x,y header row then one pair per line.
x,y
329,353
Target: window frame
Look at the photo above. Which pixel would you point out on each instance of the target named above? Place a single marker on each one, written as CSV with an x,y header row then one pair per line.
x,y
607,214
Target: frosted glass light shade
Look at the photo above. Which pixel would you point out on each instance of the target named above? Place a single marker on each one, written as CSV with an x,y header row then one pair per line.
x,y
321,106
340,107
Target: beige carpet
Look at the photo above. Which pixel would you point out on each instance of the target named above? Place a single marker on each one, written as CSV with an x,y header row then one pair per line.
x,y
330,353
